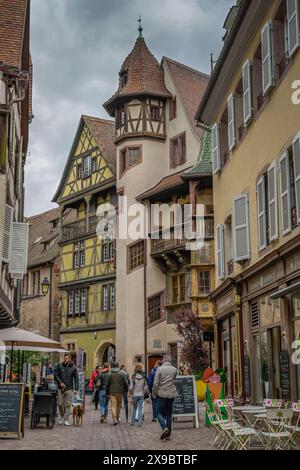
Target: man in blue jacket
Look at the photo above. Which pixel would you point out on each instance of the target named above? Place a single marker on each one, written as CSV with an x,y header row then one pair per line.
x,y
150,386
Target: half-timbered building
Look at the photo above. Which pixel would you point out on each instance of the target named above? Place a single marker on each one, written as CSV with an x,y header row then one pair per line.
x,y
87,270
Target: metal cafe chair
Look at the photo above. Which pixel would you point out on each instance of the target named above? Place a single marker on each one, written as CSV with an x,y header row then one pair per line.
x,y
275,437
43,407
294,427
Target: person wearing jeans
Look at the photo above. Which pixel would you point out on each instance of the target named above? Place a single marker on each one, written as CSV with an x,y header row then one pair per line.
x,y
138,388
100,384
164,390
150,386
66,377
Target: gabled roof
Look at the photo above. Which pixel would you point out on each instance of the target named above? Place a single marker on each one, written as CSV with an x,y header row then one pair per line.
x,y
12,26
144,76
176,180
41,231
203,166
103,132
191,85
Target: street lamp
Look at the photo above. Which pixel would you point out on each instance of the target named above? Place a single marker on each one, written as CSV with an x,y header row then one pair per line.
x,y
45,286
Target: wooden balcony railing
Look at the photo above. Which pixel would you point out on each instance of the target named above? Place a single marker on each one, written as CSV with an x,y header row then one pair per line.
x,y
78,228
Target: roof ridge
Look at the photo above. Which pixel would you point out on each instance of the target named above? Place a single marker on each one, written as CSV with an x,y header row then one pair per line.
x,y
98,119
187,67
43,213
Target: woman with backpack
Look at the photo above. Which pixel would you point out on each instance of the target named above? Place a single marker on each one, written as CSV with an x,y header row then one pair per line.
x,y
100,385
138,389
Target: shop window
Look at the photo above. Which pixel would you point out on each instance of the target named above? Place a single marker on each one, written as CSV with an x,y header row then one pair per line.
x,y
177,151
135,255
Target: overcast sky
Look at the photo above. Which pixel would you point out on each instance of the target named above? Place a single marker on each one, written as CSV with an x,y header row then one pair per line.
x,y
78,47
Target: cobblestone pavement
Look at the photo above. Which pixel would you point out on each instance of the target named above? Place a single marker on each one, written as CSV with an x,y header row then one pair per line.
x,y
95,436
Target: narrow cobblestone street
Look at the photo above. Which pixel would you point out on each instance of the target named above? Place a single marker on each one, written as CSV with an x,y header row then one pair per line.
x,y
95,436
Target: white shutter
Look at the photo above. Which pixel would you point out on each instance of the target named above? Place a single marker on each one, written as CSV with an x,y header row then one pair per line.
x,y
220,252
231,122
247,93
296,157
293,26
261,213
285,193
216,159
267,59
19,250
272,202
7,233
241,239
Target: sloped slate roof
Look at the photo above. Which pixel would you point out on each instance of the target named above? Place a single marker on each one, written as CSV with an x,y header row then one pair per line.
x,y
12,25
203,166
191,85
144,76
103,131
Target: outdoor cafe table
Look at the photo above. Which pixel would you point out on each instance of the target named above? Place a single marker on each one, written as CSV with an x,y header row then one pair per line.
x,y
248,411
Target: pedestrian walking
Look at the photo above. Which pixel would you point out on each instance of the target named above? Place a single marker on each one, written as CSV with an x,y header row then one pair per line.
x,y
150,387
164,390
100,385
115,388
92,387
125,396
66,376
137,390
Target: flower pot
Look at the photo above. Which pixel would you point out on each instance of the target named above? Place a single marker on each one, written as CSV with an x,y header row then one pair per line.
x,y
201,388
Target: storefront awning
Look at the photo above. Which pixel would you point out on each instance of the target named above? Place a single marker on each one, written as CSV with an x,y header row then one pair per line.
x,y
287,290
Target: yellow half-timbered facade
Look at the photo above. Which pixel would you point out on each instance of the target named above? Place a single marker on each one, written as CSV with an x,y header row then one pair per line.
x,y
87,262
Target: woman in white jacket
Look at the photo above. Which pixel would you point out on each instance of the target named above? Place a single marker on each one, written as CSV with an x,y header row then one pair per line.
x,y
138,388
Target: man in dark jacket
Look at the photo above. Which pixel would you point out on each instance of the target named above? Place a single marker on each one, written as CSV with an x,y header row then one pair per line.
x,y
116,386
66,376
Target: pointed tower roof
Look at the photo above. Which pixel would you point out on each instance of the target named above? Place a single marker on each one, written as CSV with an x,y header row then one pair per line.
x,y
140,75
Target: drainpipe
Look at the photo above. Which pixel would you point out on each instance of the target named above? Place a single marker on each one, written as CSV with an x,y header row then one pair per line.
x,y
145,307
50,302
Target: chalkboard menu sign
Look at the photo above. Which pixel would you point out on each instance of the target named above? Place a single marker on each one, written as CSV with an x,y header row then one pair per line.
x,y
247,382
186,403
285,376
11,409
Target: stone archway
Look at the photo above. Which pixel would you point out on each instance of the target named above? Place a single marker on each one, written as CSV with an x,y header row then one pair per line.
x,y
106,352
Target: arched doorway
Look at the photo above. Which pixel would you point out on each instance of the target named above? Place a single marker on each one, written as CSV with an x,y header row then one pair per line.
x,y
107,353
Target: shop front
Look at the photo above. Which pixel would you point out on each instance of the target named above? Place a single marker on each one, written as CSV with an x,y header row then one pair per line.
x,y
228,333
271,325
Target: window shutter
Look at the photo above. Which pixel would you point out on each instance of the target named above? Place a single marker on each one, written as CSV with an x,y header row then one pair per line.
x,y
272,202
247,93
19,250
220,252
241,228
293,26
285,193
296,157
267,59
7,233
231,122
261,213
216,149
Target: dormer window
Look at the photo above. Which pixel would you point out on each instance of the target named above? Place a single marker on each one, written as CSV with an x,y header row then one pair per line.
x,y
124,78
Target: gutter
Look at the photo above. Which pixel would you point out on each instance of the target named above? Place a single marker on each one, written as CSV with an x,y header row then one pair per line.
x,y
287,290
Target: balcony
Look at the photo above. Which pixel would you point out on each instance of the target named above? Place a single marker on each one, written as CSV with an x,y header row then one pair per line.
x,y
162,245
78,229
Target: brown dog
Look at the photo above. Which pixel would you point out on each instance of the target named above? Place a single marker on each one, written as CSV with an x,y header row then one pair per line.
x,y
78,412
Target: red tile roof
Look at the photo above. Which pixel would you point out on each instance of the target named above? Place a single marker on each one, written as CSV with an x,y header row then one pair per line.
x,y
165,184
144,76
191,85
12,25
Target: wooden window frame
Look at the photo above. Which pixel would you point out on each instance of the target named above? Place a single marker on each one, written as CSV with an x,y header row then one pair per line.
x,y
172,108
181,158
159,295
94,165
131,269
105,308
123,78
156,109
123,155
206,290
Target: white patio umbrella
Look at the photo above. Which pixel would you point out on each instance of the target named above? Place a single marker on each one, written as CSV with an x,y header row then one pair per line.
x,y
16,338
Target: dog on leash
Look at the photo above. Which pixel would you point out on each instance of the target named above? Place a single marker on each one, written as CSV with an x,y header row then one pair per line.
x,y
78,412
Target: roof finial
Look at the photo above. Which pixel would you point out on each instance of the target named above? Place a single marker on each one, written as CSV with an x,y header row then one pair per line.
x,y
140,27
